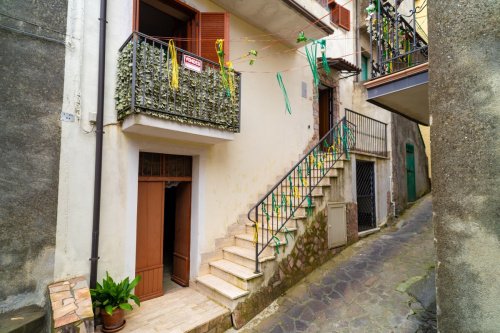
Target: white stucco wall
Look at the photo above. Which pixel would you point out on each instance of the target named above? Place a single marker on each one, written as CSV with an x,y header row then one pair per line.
x,y
227,177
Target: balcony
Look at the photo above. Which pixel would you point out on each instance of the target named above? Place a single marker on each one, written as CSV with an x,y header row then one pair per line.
x,y
284,19
399,63
370,134
200,110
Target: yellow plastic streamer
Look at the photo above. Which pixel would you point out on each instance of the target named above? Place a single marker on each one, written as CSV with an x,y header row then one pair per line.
x,y
256,233
219,48
296,193
174,81
230,80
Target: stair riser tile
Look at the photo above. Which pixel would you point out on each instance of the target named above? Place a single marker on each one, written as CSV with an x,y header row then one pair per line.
x,y
239,260
240,283
217,297
281,234
250,245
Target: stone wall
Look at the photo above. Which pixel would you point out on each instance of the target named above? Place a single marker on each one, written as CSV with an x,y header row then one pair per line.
x,y
31,89
406,131
464,92
310,251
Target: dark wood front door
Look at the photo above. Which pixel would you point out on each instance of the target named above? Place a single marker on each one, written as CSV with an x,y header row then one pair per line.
x,y
149,246
326,110
182,241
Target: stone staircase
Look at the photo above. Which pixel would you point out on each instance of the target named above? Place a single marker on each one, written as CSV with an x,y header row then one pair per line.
x,y
232,278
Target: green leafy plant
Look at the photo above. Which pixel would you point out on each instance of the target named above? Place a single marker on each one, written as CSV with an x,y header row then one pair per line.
x,y
111,295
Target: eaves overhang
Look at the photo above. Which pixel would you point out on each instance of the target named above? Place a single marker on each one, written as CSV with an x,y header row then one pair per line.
x,y
283,19
404,93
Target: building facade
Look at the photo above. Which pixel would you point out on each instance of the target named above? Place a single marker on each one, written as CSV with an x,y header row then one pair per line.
x,y
193,173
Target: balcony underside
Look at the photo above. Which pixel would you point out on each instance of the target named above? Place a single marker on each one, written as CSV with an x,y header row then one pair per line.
x,y
161,128
405,93
282,18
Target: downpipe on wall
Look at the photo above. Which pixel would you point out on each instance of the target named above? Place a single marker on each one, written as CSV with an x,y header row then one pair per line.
x,y
98,146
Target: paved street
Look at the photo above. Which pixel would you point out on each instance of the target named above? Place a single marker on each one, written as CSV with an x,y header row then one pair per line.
x,y
366,287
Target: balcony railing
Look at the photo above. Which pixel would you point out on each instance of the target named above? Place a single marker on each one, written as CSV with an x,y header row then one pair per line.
x,y
370,134
143,87
396,43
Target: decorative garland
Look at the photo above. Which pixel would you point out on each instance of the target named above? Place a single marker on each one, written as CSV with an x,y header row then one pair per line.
x,y
174,82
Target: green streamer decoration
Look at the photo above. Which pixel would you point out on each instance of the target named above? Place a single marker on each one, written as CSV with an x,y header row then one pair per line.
x,y
253,56
291,193
275,205
283,202
277,244
301,178
285,94
324,60
287,233
309,205
264,210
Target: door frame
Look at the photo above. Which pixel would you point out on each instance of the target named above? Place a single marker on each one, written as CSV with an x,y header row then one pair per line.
x,y
374,189
164,180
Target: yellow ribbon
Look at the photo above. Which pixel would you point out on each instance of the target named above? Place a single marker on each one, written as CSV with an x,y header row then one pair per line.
x,y
296,192
256,233
174,82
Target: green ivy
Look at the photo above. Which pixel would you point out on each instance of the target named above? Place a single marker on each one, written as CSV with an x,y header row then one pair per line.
x,y
200,100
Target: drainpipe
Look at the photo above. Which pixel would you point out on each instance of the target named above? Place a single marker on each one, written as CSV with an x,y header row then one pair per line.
x,y
98,146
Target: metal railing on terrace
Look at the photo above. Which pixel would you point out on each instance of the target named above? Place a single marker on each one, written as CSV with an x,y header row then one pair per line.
x,y
396,43
144,86
370,134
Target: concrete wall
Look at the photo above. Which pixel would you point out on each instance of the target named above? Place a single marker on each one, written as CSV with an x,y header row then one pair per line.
x,y
31,91
406,131
464,91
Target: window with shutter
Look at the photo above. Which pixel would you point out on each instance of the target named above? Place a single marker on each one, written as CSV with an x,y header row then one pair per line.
x,y
213,26
340,16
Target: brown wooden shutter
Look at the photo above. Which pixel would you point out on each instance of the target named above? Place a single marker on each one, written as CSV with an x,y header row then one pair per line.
x,y
213,26
345,18
341,16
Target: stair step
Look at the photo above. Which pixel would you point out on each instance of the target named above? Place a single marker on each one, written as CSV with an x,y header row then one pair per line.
x,y
249,238
222,287
282,231
239,271
247,253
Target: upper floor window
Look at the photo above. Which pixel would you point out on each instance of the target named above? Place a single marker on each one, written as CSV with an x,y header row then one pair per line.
x,y
340,16
192,30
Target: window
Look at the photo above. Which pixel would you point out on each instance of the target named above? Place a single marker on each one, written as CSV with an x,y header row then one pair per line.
x,y
340,16
364,68
192,31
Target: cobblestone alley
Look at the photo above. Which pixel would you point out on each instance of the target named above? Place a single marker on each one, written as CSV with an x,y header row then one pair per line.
x,y
384,283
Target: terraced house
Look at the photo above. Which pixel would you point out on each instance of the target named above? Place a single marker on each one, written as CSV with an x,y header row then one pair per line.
x,y
235,146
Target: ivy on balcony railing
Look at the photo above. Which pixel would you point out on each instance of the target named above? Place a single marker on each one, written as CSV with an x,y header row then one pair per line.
x,y
143,86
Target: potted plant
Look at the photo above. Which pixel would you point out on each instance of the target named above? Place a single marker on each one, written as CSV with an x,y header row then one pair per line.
x,y
112,299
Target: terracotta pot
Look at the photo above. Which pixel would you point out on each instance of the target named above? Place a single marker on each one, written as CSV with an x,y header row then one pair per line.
x,y
114,321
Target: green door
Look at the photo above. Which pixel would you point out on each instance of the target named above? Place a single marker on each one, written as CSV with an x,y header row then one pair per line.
x,y
410,173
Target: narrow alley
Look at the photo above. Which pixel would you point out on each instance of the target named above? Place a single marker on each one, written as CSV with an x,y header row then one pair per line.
x,y
384,283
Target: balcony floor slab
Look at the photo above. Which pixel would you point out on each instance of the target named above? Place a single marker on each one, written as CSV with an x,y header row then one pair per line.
x,y
167,129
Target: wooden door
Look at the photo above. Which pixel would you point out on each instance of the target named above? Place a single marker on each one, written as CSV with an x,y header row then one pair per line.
x,y
149,248
410,173
182,240
326,116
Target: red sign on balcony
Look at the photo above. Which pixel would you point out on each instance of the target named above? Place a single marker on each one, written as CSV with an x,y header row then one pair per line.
x,y
192,63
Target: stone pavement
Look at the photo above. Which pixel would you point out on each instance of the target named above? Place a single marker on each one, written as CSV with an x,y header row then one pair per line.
x,y
367,287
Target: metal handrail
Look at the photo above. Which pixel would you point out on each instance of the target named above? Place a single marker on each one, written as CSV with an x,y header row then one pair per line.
x,y
154,96
280,204
371,134
390,57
